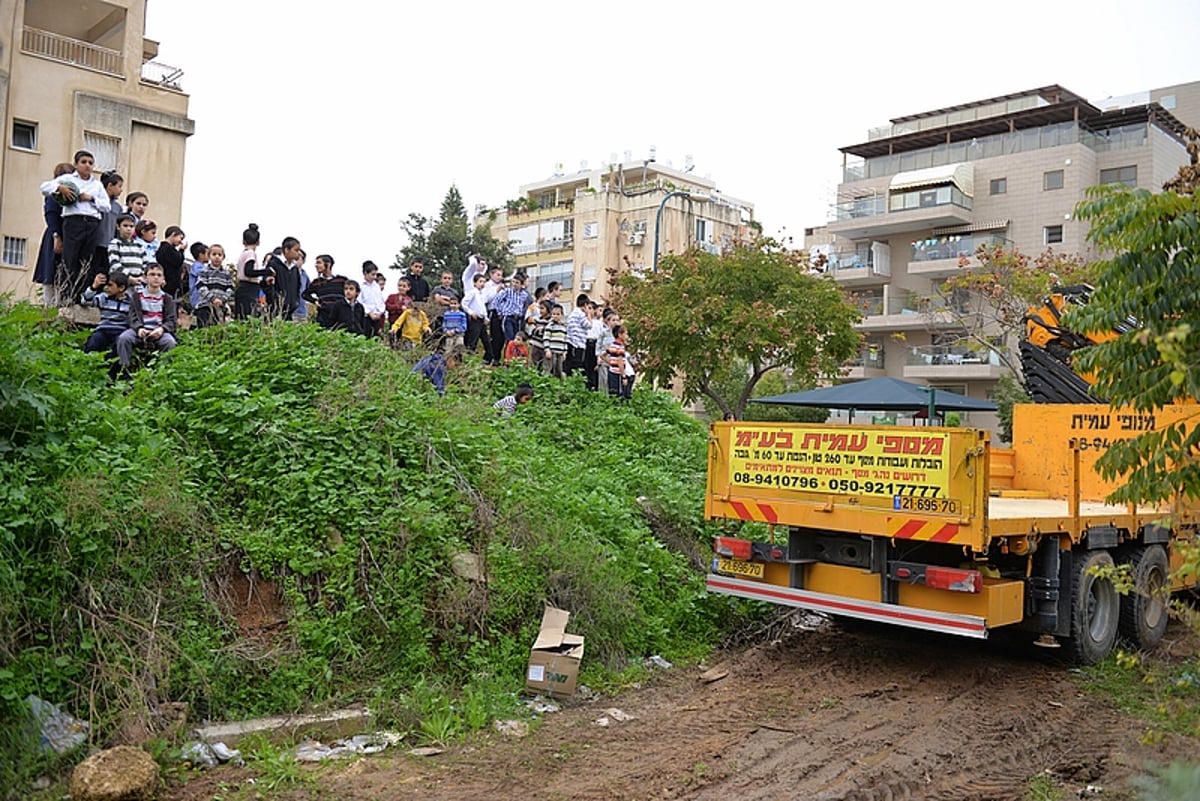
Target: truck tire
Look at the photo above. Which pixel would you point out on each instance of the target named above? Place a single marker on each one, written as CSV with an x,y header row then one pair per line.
x,y
1144,611
1095,609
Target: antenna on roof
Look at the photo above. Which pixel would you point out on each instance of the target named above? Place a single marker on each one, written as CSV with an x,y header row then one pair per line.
x,y
689,163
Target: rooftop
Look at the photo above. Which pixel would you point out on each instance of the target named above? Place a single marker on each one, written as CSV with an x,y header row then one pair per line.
x,y
1004,114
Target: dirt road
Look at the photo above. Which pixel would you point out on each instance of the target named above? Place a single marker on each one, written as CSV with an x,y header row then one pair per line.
x,y
828,714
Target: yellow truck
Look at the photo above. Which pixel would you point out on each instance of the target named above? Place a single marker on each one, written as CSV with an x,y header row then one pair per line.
x,y
937,529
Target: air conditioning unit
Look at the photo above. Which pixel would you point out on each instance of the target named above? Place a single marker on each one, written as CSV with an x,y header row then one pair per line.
x,y
636,238
585,286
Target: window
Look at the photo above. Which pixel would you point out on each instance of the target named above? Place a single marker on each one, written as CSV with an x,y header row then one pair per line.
x,y
548,200
104,148
13,254
1052,234
591,230
998,186
704,230
561,271
1120,175
1052,180
24,135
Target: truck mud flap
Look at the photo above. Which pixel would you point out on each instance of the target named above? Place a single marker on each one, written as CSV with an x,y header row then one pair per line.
x,y
947,623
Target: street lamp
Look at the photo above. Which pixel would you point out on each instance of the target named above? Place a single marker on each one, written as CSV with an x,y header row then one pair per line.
x,y
658,218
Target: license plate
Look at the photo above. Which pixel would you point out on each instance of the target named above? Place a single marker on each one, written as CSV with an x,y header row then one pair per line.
x,y
739,568
937,506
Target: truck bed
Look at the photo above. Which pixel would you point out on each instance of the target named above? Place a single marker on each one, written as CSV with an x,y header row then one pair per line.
x,y
1013,508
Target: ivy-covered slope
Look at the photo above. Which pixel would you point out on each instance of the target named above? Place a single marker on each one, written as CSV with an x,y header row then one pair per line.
x,y
306,473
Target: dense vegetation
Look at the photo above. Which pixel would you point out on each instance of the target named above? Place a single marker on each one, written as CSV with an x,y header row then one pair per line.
x,y
135,519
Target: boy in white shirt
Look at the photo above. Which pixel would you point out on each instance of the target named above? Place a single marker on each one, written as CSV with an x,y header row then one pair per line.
x,y
84,201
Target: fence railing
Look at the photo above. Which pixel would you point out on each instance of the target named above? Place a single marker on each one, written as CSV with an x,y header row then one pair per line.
x,y
72,51
162,75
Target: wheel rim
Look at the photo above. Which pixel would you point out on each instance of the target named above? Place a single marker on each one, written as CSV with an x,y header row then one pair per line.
x,y
1100,610
1154,607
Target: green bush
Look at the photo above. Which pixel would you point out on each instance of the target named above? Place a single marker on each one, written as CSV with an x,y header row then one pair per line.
x,y
314,474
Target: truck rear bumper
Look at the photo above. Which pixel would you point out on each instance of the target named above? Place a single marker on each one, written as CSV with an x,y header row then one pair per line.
x,y
928,620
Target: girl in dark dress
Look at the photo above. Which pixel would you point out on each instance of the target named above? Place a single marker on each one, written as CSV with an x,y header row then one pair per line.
x,y
50,252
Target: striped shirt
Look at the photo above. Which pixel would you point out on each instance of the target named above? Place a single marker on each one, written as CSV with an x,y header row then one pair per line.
x,y
128,256
512,302
152,308
555,337
114,312
454,322
616,357
213,284
579,325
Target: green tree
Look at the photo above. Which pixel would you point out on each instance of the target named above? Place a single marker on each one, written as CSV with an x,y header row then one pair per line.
x,y
988,303
1152,276
448,242
707,320
773,383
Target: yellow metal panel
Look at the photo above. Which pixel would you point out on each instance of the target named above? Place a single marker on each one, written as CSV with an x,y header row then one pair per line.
x,y
848,582
999,602
777,573
1043,435
849,478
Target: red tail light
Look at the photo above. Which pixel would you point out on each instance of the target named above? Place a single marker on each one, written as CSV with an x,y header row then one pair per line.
x,y
956,580
732,547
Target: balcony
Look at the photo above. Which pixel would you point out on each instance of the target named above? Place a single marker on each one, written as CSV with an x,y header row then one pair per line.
x,y
868,364
849,269
159,74
557,243
899,310
66,50
952,362
950,253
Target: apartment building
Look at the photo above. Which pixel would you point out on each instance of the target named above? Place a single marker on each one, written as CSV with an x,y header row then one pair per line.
x,y
80,74
573,228
930,188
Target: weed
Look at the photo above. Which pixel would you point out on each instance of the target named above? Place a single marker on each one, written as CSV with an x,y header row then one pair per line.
x,y
1041,787
1165,696
140,526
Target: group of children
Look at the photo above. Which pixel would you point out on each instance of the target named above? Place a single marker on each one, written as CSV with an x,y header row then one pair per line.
x,y
140,284
90,233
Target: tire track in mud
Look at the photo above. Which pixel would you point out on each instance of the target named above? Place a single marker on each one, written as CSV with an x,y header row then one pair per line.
x,y
956,722
828,715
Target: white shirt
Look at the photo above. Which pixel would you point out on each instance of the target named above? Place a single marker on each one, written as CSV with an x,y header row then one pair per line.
x,y
490,290
474,267
81,208
474,304
371,297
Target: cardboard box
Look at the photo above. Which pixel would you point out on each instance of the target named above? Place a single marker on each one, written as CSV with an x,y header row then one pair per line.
x,y
554,659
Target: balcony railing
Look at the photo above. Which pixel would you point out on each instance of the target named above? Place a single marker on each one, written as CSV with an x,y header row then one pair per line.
x,y
72,51
556,244
162,75
928,198
954,246
860,207
869,357
522,248
927,355
870,304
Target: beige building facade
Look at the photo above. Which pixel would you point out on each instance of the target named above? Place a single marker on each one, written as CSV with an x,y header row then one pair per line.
x,y
578,228
80,74
929,188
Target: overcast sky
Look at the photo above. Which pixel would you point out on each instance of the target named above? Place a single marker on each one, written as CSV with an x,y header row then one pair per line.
x,y
332,125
